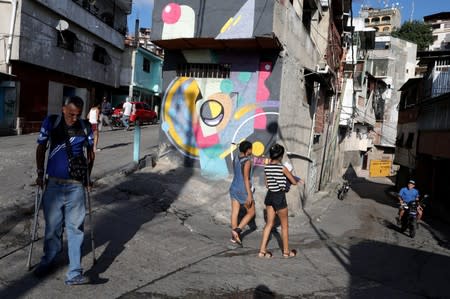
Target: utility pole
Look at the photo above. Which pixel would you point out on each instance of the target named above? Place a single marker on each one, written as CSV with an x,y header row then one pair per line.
x,y
412,11
11,34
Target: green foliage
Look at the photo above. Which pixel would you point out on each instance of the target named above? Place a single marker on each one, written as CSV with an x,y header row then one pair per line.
x,y
417,32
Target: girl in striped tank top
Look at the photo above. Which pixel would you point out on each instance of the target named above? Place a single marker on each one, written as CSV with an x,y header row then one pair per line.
x,y
275,201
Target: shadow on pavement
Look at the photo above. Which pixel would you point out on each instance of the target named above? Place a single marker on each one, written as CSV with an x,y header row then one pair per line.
x,y
380,270
116,145
135,201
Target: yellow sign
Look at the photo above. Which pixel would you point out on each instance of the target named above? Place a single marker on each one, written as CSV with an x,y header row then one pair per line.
x,y
380,168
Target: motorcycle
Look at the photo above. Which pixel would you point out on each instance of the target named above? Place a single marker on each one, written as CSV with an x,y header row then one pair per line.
x,y
116,121
409,218
343,190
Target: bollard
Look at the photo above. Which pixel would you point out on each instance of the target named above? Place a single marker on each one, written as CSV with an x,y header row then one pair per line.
x,y
137,141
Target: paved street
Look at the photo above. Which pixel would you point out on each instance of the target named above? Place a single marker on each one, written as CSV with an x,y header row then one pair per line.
x,y
18,166
162,233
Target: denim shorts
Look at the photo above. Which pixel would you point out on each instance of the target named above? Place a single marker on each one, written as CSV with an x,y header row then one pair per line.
x,y
240,196
276,199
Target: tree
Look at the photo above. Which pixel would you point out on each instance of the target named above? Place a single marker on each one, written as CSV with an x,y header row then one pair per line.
x,y
417,32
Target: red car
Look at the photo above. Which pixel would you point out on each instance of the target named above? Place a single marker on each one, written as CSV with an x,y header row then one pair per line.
x,y
141,111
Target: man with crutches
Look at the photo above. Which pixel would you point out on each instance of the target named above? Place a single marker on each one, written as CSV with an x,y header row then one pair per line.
x,y
65,179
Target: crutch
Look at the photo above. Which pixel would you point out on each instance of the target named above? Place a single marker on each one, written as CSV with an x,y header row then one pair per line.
x,y
91,226
37,205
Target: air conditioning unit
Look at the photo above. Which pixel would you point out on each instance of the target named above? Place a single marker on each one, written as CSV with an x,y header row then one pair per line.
x,y
322,68
324,3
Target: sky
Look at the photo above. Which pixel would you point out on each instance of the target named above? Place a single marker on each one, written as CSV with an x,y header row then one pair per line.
x,y
421,7
142,9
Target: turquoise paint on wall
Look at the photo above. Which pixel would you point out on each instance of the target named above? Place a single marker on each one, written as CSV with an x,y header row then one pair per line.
x,y
147,80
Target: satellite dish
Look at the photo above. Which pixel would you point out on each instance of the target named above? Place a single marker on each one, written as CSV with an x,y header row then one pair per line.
x,y
62,25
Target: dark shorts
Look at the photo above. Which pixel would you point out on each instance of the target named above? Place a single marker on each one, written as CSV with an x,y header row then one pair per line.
x,y
94,127
276,199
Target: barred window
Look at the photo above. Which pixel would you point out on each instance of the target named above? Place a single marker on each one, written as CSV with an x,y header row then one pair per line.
x,y
204,70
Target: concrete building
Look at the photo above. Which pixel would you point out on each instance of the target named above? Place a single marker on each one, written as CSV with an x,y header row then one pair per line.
x,y
140,77
361,93
423,142
265,71
393,61
384,20
58,48
440,23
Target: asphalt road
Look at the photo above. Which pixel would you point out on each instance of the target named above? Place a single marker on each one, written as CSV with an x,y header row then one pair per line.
x,y
158,236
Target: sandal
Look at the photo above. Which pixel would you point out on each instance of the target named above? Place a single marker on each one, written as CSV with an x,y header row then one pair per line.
x,y
265,254
291,253
236,233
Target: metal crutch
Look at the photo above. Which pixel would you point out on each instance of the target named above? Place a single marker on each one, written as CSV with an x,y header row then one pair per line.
x,y
91,226
37,205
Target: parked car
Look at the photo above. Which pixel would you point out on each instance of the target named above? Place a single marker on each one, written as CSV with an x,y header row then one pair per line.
x,y
141,111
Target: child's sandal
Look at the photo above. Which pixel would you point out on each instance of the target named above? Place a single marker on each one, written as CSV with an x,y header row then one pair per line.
x,y
289,254
236,233
263,254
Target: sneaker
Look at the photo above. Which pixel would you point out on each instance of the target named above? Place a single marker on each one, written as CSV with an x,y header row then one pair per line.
x,y
77,280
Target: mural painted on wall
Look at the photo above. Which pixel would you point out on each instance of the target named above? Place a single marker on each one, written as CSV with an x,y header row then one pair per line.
x,y
179,22
204,118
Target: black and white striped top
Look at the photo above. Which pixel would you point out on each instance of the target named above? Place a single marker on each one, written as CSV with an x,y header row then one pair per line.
x,y
276,181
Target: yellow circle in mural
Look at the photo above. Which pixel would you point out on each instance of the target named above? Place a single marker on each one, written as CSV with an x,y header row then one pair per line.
x,y
258,148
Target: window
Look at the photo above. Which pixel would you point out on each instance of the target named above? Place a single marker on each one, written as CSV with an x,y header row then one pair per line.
x,y
447,25
435,37
68,40
409,140
436,26
146,65
386,19
399,141
367,21
376,20
101,55
204,70
309,9
385,29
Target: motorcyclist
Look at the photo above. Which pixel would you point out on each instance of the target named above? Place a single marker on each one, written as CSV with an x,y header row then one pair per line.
x,y
407,195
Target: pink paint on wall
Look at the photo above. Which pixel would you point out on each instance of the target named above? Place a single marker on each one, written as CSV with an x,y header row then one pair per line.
x,y
202,140
262,93
171,13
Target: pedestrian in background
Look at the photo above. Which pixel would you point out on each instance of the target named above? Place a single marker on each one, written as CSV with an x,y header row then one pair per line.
x,y
94,116
276,175
241,191
64,197
105,115
126,110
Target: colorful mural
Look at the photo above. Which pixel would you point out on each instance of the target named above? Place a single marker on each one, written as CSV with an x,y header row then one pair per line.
x,y
204,118
179,21
241,25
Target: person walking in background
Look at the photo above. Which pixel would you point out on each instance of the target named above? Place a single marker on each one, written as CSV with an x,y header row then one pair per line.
x,y
105,115
126,110
64,197
94,116
241,191
276,175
